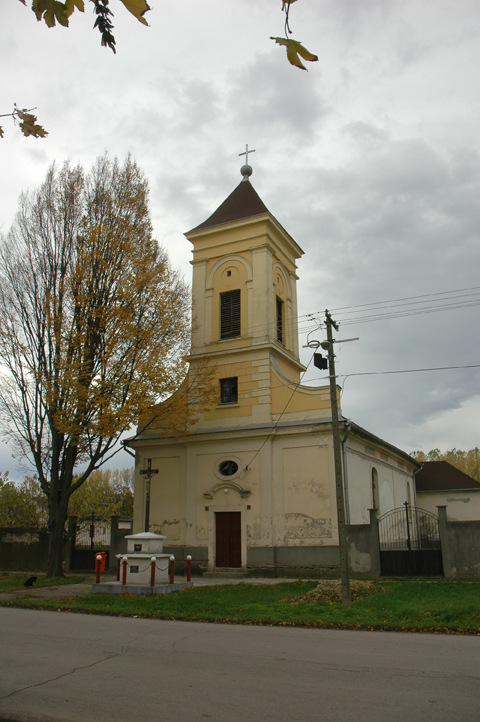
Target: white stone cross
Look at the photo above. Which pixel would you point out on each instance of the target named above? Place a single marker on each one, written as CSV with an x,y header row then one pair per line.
x,y
246,152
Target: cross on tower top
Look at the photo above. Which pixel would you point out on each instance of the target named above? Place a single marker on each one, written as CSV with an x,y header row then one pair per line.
x,y
246,170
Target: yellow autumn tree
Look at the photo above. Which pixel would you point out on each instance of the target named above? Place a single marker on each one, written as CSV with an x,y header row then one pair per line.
x,y
94,328
466,461
105,493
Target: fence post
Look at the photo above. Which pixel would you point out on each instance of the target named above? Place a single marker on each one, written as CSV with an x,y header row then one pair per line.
x,y
124,570
376,568
98,566
189,568
447,555
172,569
113,540
118,567
71,532
153,563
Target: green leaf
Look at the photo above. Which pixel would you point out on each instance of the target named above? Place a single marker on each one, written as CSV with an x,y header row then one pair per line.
x,y
51,11
70,6
294,50
28,124
39,7
138,8
60,14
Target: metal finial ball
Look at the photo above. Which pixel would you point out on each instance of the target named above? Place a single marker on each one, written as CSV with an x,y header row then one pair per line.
x,y
246,171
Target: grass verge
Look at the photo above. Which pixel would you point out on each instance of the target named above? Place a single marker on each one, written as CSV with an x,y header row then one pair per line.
x,y
11,582
435,606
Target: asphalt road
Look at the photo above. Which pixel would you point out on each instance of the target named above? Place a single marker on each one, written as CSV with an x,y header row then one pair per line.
x,y
75,668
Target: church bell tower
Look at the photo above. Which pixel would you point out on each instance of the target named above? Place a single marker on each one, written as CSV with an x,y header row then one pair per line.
x,y
244,302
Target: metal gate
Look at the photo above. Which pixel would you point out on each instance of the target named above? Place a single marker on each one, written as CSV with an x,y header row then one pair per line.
x,y
410,543
91,536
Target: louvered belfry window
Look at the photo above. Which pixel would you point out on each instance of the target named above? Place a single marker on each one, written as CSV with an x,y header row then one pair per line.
x,y
230,314
279,320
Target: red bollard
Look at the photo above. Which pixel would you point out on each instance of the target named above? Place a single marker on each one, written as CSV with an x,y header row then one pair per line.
x,y
172,569
118,569
189,568
124,571
153,563
98,565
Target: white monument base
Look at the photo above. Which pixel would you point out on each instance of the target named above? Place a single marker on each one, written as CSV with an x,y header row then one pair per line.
x,y
119,588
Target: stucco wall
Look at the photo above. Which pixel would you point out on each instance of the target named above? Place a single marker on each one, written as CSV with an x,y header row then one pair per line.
x,y
460,547
462,505
393,482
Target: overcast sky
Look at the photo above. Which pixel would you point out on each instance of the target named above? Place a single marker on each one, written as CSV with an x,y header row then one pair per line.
x,y
370,161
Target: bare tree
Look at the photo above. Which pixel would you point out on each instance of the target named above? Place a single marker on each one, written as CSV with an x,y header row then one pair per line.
x,y
94,326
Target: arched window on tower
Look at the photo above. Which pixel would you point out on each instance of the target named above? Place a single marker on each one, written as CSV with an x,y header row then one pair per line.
x,y
375,490
280,334
230,314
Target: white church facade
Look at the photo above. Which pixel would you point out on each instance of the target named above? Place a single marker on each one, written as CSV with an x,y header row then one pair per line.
x,y
252,484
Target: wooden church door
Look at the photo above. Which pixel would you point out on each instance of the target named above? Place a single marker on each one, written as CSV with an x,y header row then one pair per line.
x,y
228,539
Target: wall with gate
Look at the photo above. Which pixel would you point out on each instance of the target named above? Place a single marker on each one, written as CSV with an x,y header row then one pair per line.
x,y
363,548
460,547
88,537
23,550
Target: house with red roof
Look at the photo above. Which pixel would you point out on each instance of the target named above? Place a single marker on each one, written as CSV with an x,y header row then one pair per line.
x,y
438,483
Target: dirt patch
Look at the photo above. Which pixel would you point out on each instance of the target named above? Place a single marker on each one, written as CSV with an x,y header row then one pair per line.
x,y
329,591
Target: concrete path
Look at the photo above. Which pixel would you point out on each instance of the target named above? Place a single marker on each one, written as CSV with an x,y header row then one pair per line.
x,y
84,588
58,667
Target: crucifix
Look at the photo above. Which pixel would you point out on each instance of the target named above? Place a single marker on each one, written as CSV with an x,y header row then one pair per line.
x,y
148,472
246,152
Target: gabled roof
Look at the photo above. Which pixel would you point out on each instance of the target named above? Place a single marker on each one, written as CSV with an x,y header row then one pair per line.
x,y
442,476
243,202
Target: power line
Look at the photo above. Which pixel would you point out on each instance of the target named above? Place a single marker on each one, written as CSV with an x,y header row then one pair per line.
x,y
411,371
404,314
406,298
402,371
310,321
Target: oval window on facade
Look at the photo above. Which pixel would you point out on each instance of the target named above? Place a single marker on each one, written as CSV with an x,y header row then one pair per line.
x,y
228,468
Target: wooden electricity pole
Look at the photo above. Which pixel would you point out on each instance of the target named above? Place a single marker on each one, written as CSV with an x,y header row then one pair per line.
x,y
342,532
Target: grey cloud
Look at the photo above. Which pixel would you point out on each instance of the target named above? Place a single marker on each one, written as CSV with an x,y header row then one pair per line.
x,y
268,93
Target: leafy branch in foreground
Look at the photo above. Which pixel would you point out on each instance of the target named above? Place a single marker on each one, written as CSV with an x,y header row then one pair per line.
x,y
26,121
54,11
295,49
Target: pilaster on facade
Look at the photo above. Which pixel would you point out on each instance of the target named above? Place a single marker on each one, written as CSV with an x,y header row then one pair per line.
x,y
199,310
263,295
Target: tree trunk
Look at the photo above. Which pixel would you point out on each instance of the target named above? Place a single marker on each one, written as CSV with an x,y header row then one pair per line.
x,y
56,526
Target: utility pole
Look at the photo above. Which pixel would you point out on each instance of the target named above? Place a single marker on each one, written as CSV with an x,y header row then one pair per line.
x,y
148,472
342,532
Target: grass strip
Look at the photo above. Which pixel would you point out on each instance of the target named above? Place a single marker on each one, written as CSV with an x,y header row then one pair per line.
x,y
408,605
11,582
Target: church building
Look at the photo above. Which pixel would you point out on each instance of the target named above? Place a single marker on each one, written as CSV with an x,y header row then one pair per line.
x,y
252,484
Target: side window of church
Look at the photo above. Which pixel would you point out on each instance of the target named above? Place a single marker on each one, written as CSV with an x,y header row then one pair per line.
x,y
279,320
229,390
230,314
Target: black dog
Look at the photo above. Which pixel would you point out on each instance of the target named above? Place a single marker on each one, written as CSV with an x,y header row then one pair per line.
x,y
29,582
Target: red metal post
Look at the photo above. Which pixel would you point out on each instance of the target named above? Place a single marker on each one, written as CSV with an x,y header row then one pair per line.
x,y
189,568
124,571
118,569
98,564
172,569
153,563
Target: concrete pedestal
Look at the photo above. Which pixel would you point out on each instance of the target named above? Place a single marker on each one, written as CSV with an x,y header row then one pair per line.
x,y
144,589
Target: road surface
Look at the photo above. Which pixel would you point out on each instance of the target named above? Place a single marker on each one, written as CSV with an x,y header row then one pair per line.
x,y
60,667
